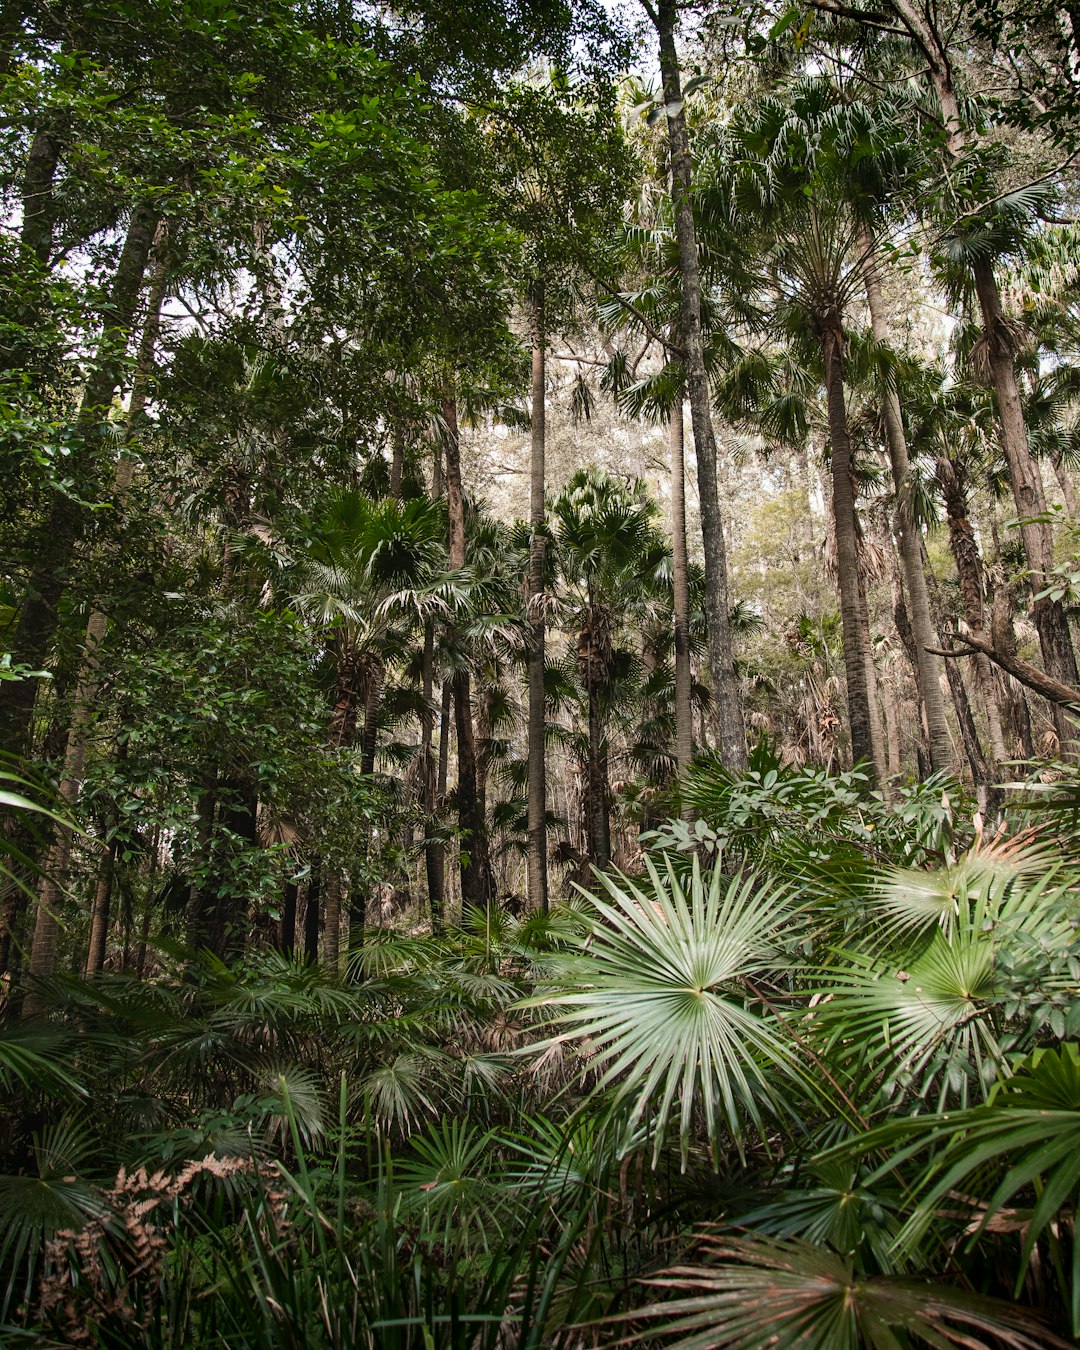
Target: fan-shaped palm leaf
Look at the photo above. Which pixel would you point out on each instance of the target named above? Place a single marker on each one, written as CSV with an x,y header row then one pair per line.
x,y
785,1294
661,997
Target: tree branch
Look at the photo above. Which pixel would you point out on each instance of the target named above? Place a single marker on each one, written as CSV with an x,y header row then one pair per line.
x,y
869,20
1027,674
637,314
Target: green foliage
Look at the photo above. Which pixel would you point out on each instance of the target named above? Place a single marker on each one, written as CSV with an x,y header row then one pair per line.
x,y
663,996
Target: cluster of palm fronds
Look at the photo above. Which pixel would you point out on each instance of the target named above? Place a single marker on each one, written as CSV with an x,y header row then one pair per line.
x,y
813,1078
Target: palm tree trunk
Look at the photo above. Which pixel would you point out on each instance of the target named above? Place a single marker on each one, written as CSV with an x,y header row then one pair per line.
x,y
684,712
475,869
598,819
331,898
397,464
852,613
537,765
728,700
877,737
372,697
63,529
433,856
908,541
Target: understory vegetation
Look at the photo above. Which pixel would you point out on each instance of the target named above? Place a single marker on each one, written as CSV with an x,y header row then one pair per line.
x,y
812,1075
539,710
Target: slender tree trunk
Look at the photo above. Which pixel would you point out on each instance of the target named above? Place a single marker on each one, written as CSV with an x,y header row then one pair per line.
x,y
731,730
331,900
397,464
99,917
475,868
877,738
39,615
852,613
537,766
444,739
311,917
969,571
433,857
980,770
287,945
38,200
1068,492
908,542
1003,637
1051,621
372,698
598,819
1055,639
220,917
684,711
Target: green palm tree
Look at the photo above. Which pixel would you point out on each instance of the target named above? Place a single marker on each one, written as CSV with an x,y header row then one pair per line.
x,y
613,562
367,576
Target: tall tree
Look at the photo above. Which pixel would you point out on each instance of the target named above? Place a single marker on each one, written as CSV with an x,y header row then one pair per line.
x,y
728,702
537,786
476,880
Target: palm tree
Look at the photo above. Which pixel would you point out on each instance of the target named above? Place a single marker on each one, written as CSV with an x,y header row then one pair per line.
x,y
612,559
808,241
370,573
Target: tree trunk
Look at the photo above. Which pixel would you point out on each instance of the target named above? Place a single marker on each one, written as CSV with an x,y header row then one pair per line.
x,y
969,571
287,941
877,737
684,711
908,542
1051,622
220,917
728,700
1003,636
331,897
372,696
475,867
1068,492
433,855
99,917
397,464
599,824
67,517
852,613
980,770
38,201
311,917
537,767
1049,615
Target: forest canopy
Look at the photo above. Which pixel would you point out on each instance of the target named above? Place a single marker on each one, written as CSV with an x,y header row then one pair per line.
x,y
539,706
